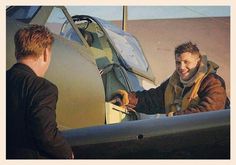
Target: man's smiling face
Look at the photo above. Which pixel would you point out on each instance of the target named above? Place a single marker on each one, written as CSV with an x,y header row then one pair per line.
x,y
186,65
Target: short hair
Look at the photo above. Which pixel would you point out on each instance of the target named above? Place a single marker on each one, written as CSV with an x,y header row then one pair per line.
x,y
31,41
187,47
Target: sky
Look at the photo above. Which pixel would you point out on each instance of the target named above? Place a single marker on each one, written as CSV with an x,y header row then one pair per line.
x,y
150,12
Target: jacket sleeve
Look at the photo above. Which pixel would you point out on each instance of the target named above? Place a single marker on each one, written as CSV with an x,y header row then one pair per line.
x,y
150,101
42,122
212,95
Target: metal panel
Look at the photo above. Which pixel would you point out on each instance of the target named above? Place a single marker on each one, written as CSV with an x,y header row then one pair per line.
x,y
201,135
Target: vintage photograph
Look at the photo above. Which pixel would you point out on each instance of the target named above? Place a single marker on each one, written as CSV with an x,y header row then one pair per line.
x,y
118,82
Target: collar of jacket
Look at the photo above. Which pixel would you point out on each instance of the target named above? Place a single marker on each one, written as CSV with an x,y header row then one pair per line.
x,y
24,67
205,68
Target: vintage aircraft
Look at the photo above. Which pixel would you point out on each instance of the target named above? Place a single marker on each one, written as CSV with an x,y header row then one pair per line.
x,y
91,59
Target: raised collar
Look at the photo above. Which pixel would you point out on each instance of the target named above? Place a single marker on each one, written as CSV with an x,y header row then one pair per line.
x,y
205,67
24,67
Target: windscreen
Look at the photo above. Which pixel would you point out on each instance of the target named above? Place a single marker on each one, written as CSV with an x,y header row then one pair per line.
x,y
22,13
127,45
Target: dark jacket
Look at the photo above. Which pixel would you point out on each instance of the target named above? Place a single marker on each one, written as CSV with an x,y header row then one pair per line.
x,y
211,93
31,128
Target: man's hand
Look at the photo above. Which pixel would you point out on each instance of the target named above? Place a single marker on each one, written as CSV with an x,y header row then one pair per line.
x,y
120,98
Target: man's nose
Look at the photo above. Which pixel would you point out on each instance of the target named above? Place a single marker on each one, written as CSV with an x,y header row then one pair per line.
x,y
182,65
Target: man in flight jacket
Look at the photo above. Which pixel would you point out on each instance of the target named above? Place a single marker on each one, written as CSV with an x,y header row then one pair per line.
x,y
193,87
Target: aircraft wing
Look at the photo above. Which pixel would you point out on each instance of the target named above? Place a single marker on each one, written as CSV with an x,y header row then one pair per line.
x,y
195,136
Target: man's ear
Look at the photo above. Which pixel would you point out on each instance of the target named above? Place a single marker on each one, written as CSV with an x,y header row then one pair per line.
x,y
45,55
199,60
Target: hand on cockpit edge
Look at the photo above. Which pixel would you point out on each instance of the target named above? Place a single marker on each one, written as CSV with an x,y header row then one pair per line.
x,y
120,98
125,99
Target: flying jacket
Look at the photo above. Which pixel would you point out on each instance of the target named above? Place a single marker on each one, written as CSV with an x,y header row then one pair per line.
x,y
205,93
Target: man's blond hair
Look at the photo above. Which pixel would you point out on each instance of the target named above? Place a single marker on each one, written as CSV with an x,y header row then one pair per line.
x,y
31,41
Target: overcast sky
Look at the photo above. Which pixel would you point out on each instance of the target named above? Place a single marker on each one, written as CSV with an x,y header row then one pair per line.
x,y
150,12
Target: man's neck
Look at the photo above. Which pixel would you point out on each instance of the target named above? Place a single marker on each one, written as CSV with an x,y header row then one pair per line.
x,y
33,64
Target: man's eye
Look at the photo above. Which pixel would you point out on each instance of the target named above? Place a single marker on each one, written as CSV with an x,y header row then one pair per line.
x,y
186,62
177,62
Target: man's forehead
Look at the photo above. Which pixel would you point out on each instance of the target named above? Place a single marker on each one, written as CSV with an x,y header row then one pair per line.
x,y
186,56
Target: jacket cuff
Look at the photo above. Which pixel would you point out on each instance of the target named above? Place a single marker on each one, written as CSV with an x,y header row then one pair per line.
x,y
133,100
